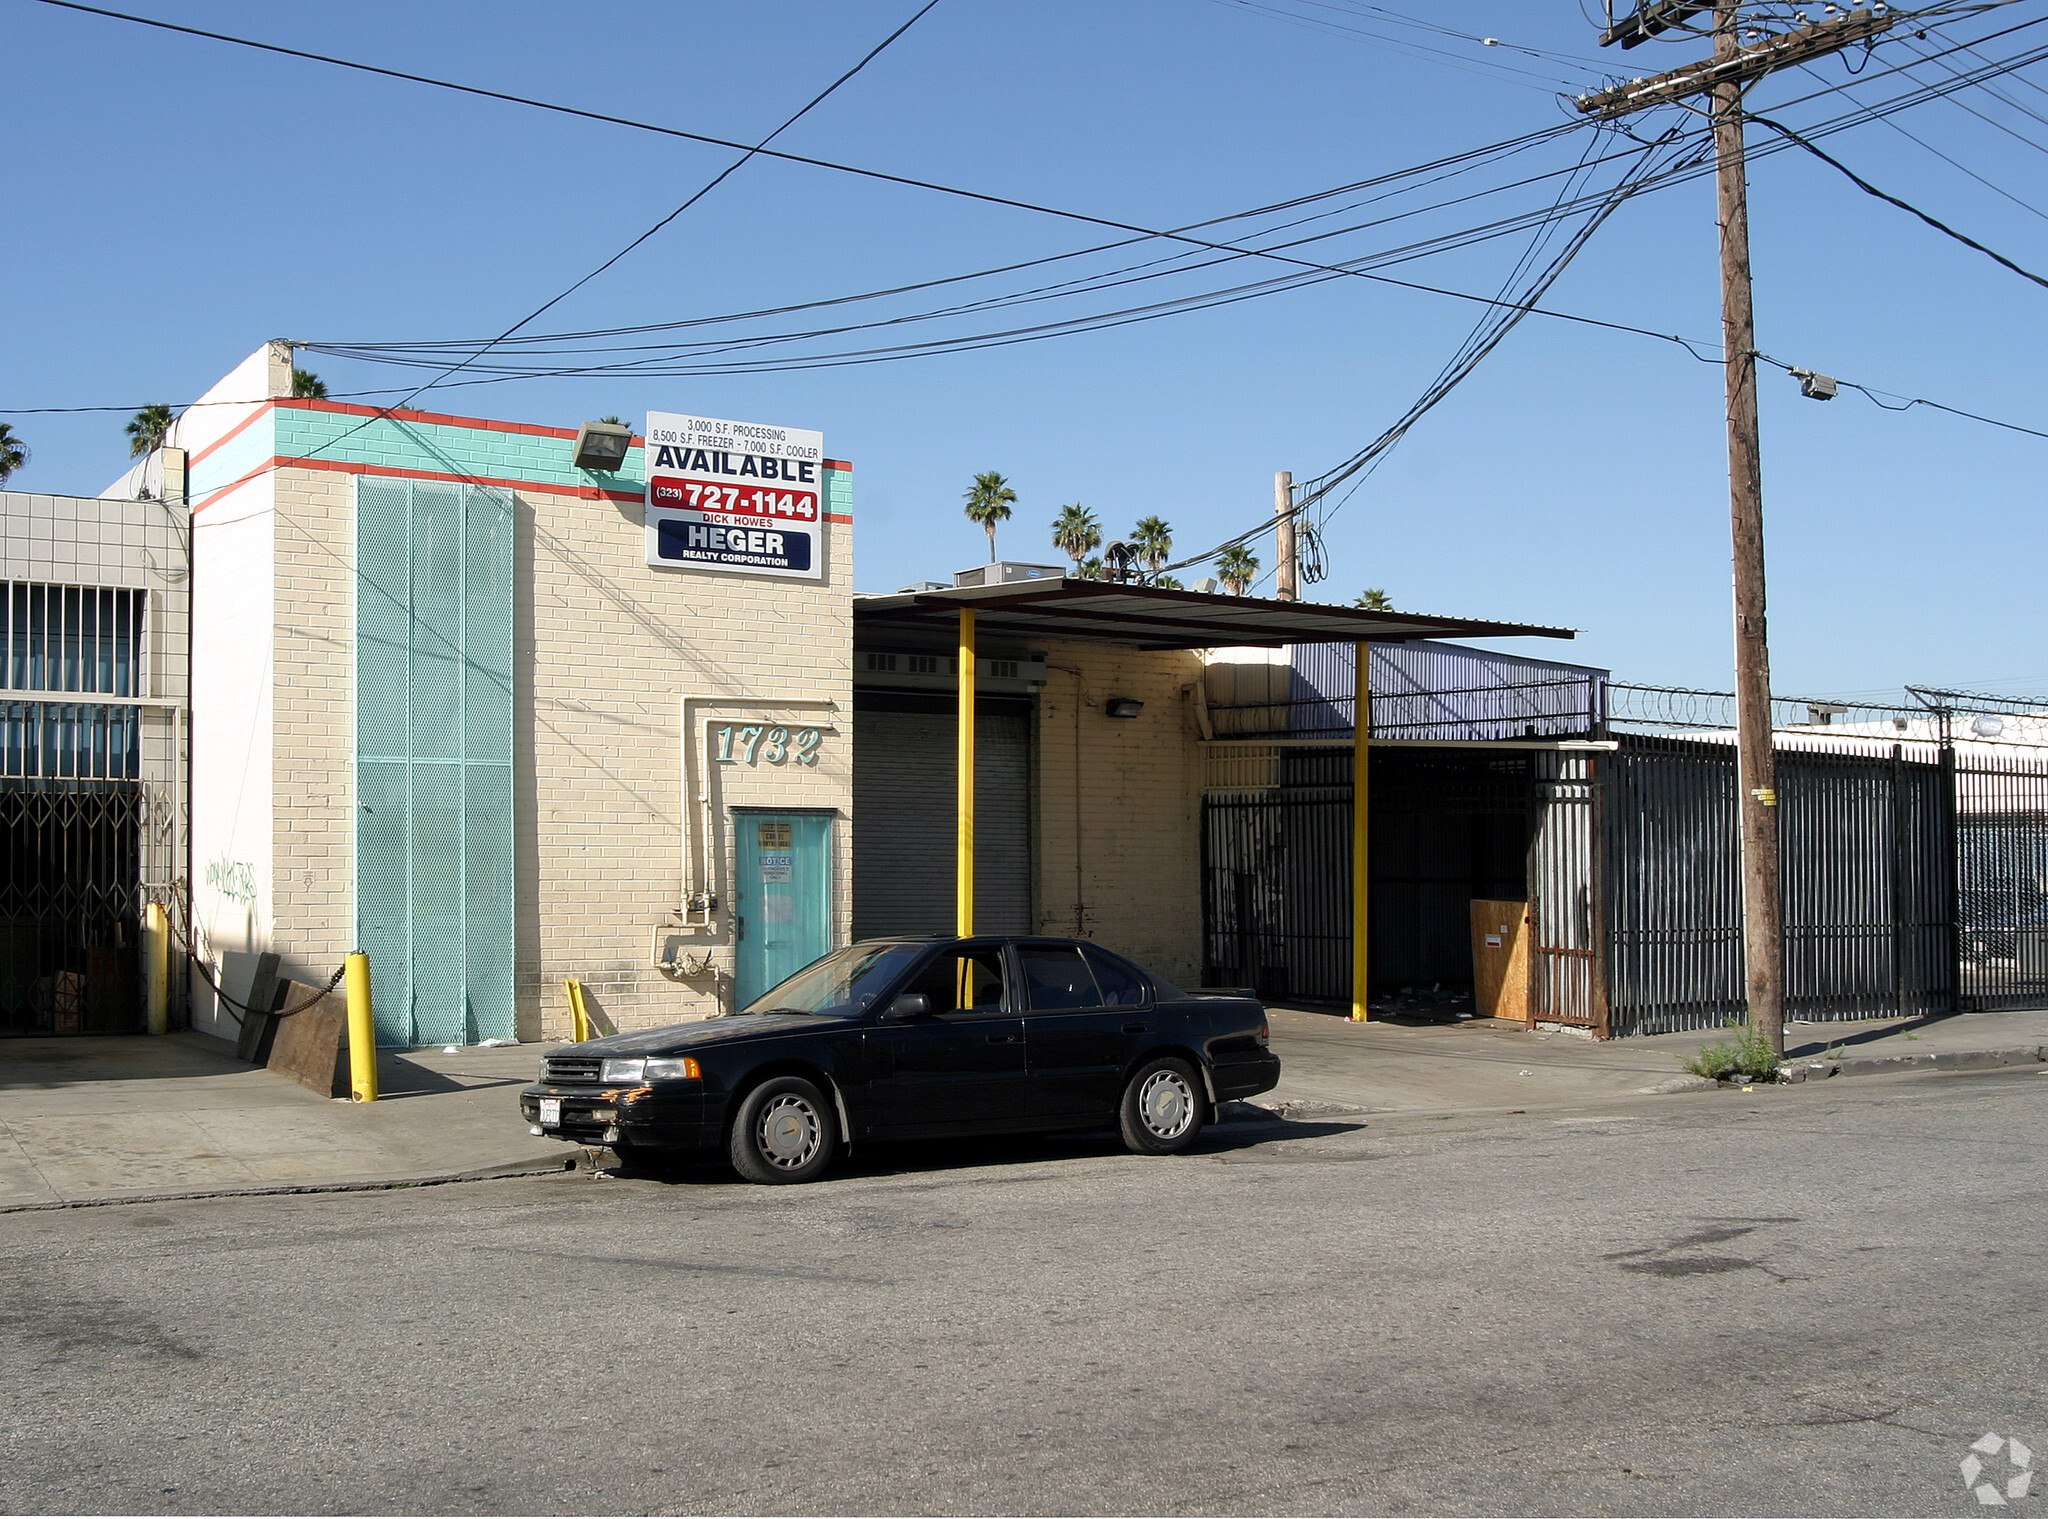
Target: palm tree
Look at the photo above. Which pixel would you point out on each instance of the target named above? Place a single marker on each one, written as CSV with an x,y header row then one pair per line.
x,y
1153,540
1375,600
1077,534
148,429
989,500
1237,567
1168,583
308,386
1093,569
13,452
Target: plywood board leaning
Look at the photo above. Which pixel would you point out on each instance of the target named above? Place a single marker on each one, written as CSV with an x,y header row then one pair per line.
x,y
1500,959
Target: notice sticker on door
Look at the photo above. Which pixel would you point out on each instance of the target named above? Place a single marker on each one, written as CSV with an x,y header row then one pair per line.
x,y
1493,941
778,868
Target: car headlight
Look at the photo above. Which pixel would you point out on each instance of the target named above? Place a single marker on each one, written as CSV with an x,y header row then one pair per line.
x,y
636,1072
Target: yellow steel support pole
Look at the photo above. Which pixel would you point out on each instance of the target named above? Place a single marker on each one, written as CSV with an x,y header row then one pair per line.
x,y
156,948
1361,836
362,1029
579,1020
963,844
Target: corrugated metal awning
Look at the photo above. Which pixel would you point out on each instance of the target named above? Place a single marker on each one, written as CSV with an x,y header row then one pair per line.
x,y
1146,617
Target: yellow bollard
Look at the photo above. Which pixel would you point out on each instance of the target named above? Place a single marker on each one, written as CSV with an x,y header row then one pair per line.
x,y
362,1029
579,1020
156,956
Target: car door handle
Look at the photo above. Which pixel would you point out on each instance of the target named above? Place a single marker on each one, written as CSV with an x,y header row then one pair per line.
x,y
1136,1028
1002,1038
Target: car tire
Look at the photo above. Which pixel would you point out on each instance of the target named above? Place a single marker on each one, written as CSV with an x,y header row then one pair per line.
x,y
785,1131
1162,1108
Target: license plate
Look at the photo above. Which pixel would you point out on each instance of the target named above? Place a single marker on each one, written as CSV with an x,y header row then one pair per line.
x,y
551,1112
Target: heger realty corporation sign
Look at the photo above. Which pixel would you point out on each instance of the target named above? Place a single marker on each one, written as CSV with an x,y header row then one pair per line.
x,y
734,496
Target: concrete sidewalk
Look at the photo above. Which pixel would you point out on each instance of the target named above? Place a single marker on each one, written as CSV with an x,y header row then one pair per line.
x,y
102,1119
1330,1063
87,1120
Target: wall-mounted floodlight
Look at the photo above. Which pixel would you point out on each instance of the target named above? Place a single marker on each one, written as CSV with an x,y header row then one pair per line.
x,y
601,446
1816,387
1123,706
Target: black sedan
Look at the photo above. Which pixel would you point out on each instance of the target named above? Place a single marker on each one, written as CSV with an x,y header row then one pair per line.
x,y
916,1038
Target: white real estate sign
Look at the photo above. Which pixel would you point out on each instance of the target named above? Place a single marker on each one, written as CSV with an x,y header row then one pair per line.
x,y
735,497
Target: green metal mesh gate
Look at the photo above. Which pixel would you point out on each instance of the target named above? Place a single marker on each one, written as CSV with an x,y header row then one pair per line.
x,y
434,889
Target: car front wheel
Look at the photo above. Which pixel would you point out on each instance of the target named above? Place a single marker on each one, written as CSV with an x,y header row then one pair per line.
x,y
1162,1108
785,1131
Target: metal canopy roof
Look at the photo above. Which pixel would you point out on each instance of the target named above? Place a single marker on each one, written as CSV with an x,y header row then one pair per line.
x,y
1146,617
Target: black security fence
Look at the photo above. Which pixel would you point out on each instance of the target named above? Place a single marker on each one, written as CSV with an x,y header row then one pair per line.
x,y
70,906
1915,875
1446,827
1865,842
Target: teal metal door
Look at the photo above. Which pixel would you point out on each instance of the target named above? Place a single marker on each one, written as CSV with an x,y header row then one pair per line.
x,y
782,898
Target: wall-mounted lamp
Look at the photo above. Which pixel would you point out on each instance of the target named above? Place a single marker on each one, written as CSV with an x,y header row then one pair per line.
x,y
601,446
1123,706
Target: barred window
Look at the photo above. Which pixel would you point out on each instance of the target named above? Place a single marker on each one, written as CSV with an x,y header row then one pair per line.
x,y
70,638
69,741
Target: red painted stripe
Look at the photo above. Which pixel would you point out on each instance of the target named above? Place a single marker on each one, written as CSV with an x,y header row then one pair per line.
x,y
213,496
344,467
583,492
262,409
839,464
440,419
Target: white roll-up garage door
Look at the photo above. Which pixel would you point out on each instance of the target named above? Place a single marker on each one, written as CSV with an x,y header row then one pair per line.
x,y
903,820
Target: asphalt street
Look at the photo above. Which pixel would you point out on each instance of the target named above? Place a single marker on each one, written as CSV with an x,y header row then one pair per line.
x,y
1796,1301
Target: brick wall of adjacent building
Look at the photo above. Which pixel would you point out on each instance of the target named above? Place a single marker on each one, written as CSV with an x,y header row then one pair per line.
x,y
1136,783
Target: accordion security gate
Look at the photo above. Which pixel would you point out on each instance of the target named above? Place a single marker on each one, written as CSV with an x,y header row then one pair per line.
x,y
434,861
1914,881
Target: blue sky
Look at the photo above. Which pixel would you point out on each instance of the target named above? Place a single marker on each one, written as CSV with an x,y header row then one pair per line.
x,y
173,202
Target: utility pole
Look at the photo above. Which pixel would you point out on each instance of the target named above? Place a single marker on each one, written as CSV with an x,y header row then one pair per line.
x,y
1763,931
1287,559
1722,80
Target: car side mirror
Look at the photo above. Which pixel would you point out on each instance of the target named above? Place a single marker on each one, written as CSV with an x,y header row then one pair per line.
x,y
906,1007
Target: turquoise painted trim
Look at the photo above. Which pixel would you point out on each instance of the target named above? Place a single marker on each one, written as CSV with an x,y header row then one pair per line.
x,y
403,443
248,450
838,492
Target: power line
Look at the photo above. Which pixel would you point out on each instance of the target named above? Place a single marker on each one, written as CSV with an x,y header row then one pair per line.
x,y
1098,321
1907,403
712,184
1870,189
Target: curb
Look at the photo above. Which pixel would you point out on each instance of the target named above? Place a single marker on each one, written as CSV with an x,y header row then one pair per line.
x,y
1891,1065
1794,1072
504,1171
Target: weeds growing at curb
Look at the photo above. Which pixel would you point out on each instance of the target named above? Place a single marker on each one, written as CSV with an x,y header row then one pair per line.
x,y
1748,1055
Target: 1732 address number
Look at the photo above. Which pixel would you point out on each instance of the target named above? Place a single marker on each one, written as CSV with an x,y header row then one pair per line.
x,y
760,743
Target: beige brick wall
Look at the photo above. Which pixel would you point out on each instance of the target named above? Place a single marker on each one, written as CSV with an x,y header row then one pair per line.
x,y
313,724
609,838
605,649
1134,817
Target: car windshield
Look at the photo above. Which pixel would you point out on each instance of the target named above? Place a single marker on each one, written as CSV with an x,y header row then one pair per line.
x,y
844,984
